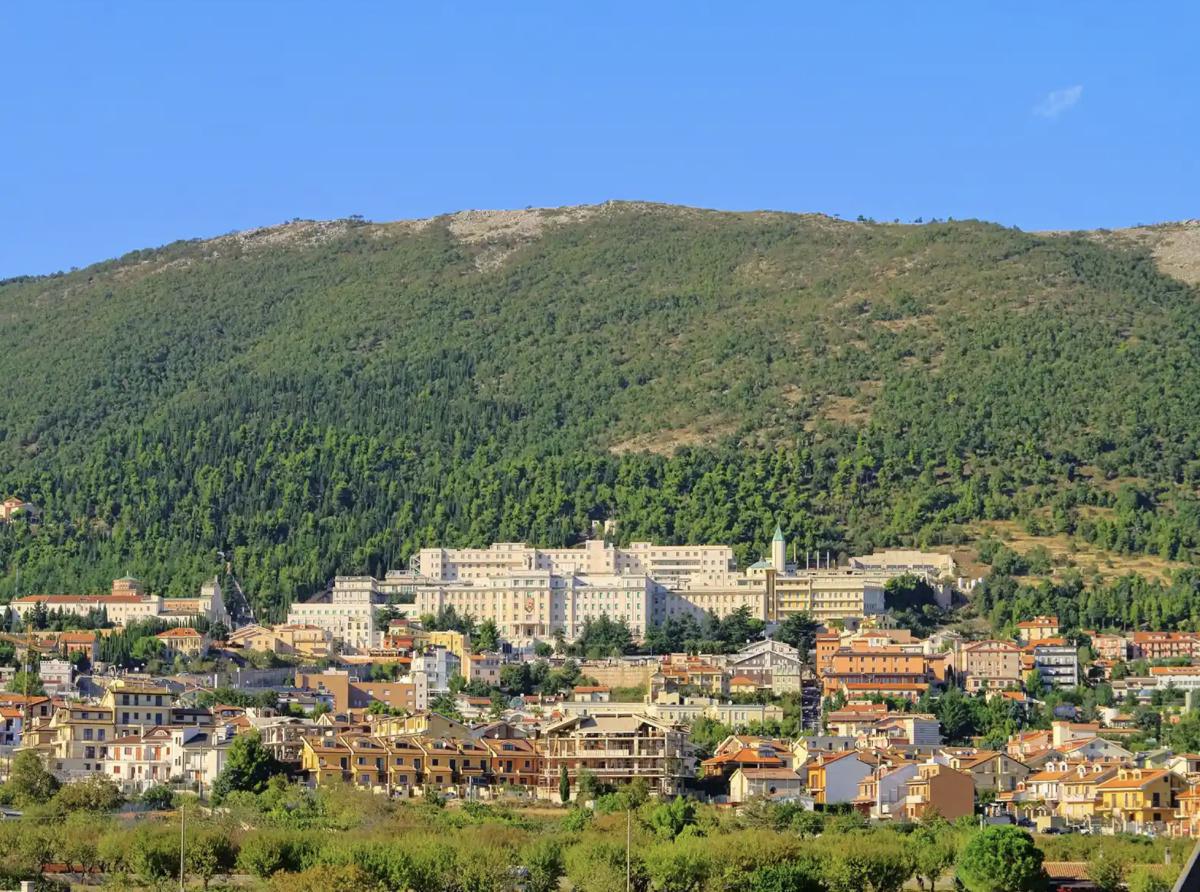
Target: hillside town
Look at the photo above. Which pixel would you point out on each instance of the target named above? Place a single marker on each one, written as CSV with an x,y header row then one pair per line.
x,y
512,672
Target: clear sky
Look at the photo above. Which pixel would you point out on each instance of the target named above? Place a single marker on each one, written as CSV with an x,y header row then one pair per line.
x,y
127,125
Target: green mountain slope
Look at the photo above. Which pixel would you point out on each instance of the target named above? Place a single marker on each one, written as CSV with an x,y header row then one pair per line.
x,y
325,397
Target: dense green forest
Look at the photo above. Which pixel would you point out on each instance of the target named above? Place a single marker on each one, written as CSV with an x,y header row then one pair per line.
x,y
325,398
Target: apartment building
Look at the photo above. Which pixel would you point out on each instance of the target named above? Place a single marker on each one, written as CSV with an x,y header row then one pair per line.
x,y
1108,646
616,748
347,612
1163,645
137,704
345,693
1057,662
864,668
989,665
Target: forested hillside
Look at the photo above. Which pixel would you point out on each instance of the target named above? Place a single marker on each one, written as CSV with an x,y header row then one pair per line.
x,y
325,398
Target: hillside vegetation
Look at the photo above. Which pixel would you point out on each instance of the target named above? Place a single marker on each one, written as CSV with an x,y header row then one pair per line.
x,y
326,397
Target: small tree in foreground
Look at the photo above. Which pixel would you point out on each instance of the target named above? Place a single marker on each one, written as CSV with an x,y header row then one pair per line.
x,y
1001,859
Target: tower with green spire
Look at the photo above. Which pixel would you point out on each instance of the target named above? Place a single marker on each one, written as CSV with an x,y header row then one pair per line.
x,y
778,550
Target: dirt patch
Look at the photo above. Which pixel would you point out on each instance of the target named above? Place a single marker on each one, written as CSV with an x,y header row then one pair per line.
x,y
668,442
1174,246
1073,553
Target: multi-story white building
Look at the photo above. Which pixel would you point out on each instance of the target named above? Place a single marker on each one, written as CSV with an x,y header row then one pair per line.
x,y
536,603
347,613
532,593
129,602
667,564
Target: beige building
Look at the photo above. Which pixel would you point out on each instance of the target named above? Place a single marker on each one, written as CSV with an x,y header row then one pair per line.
x,y
989,665
1037,629
666,563
536,603
129,602
310,642
532,593
616,749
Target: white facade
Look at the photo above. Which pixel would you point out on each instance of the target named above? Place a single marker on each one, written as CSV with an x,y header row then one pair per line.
x,y
348,615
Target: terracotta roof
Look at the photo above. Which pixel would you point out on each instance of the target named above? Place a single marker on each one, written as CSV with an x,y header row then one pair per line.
x,y
178,633
1066,870
1136,782
77,599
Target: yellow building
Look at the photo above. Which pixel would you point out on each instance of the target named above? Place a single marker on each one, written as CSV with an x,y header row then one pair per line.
x,y
81,735
181,642
295,639
1140,799
137,703
1079,794
455,642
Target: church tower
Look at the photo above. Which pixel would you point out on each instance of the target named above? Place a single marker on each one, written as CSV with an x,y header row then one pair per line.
x,y
778,551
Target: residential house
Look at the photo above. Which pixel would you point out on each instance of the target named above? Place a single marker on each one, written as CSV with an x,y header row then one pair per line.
x,y
770,664
881,793
295,640
1140,799
513,762
1077,802
182,642
765,783
990,771
1108,646
834,778
139,761
79,642
941,790
745,751
1037,629
591,693
483,667
616,749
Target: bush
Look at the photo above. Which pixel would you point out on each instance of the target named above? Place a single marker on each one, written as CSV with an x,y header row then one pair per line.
x,y
325,878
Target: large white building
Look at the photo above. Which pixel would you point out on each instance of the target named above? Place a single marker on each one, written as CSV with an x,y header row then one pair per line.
x,y
531,592
129,602
347,613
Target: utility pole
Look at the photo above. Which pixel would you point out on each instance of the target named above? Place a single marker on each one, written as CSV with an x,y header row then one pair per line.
x,y
628,840
181,877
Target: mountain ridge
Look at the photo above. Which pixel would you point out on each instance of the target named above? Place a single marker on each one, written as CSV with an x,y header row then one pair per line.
x,y
324,397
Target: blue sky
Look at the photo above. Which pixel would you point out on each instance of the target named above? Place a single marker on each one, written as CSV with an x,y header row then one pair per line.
x,y
130,125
